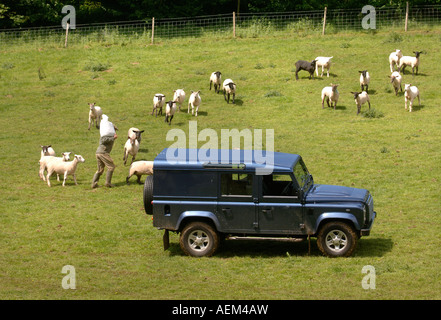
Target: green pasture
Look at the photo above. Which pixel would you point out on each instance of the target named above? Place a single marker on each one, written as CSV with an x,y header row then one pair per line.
x,y
105,234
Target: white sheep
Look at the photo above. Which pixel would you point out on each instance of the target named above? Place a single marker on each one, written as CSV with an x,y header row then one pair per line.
x,y
216,79
135,133
65,168
140,168
170,109
158,103
324,62
194,101
394,59
395,79
365,79
360,99
179,97
229,88
330,94
44,160
408,61
410,93
131,147
95,114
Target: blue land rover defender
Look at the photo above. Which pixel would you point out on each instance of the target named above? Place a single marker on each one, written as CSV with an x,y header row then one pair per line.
x,y
206,195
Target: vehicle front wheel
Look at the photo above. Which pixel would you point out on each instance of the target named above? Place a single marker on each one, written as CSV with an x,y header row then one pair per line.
x,y
337,239
199,239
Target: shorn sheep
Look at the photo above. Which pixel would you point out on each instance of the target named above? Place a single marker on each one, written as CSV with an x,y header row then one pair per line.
x,y
307,66
95,114
179,97
194,101
365,79
131,147
140,168
324,62
64,168
330,94
158,103
395,79
408,61
394,59
229,89
216,79
360,99
170,109
44,160
410,93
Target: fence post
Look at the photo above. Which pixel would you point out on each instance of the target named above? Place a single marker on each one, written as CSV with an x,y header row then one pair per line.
x,y
153,29
407,16
324,21
67,32
234,24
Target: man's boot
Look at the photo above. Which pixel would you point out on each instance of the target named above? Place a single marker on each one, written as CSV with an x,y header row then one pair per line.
x,y
95,179
109,179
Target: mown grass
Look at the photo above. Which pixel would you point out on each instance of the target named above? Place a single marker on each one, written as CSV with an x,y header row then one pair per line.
x,y
112,244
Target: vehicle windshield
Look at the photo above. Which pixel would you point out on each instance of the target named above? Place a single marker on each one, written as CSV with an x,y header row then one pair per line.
x,y
302,175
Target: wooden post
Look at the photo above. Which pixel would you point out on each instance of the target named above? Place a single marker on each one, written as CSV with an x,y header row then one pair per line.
x,y
153,29
234,24
324,21
407,16
67,32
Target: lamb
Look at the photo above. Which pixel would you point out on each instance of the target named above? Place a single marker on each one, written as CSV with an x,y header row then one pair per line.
x,y
195,101
95,114
408,61
360,99
47,151
365,78
170,109
229,88
158,103
44,160
65,168
179,97
395,79
216,78
139,168
324,62
307,66
131,147
135,133
394,59
410,93
330,94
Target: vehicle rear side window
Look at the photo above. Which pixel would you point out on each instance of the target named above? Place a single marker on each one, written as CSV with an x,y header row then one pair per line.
x,y
236,184
185,184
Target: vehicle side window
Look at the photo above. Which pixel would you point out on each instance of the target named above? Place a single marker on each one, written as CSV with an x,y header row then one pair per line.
x,y
278,185
237,184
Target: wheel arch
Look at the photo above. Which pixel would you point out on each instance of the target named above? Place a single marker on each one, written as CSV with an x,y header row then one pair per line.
x,y
336,216
199,216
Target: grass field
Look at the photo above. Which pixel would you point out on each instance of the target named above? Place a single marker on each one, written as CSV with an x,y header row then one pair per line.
x,y
105,234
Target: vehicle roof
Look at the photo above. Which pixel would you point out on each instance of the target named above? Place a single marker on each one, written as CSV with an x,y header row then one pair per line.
x,y
224,159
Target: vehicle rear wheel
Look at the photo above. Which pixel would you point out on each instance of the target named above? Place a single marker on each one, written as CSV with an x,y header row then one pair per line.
x,y
199,239
148,194
337,239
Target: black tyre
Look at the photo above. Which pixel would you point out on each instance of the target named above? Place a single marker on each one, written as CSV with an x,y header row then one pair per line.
x,y
148,195
337,239
199,239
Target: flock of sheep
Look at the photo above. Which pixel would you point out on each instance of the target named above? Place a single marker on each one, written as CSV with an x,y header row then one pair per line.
x,y
62,166
396,59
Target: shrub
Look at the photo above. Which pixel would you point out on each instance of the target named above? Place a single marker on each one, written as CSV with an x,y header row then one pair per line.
x,y
372,113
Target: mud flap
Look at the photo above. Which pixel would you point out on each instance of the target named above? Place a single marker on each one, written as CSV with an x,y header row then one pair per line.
x,y
166,240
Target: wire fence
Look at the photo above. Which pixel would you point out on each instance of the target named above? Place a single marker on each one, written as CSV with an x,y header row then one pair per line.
x,y
326,21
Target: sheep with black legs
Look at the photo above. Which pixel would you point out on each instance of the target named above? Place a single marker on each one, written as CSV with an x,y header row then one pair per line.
x,y
395,79
229,89
410,93
140,168
360,99
194,101
216,78
408,61
158,103
330,94
170,109
307,66
365,79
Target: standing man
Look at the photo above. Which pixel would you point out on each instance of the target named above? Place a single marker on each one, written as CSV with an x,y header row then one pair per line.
x,y
107,138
